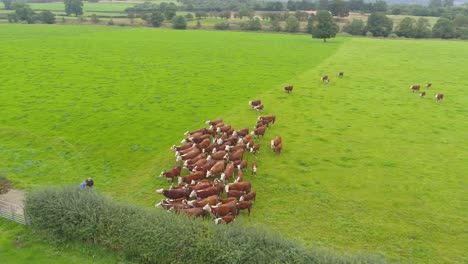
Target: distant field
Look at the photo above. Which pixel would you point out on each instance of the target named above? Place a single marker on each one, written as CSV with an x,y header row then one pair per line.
x,y
87,7
367,167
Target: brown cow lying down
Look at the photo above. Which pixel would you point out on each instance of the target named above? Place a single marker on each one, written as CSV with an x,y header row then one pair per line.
x,y
226,219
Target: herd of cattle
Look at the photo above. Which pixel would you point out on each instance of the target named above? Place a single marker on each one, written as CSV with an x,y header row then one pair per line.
x,y
211,157
417,87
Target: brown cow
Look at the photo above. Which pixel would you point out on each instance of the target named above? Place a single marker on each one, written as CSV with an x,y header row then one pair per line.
x,y
422,94
223,129
204,144
235,155
195,159
242,166
254,168
239,186
325,79
211,200
240,176
428,85
165,202
258,108
241,132
215,122
258,132
235,193
255,103
214,190
235,148
268,119
216,169
200,185
170,175
208,165
249,196
192,154
185,151
288,88
174,193
185,146
415,87
226,219
198,131
218,155
195,176
340,74
228,172
255,149
228,200
279,148
439,97
275,142
222,209
246,139
243,205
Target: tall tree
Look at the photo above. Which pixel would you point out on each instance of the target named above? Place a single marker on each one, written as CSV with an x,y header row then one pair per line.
x,y
73,7
325,27
179,22
406,28
339,8
23,12
47,17
356,27
8,4
170,11
292,24
156,19
379,25
422,28
443,28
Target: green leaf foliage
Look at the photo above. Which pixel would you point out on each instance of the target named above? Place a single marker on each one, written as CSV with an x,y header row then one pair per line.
x,y
325,27
379,25
406,28
73,7
156,19
355,27
292,24
179,22
444,28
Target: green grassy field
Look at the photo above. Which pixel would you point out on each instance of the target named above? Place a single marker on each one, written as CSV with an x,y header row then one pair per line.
x,y
367,166
87,7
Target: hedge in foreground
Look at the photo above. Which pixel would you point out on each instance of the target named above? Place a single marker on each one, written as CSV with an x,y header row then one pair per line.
x,y
153,236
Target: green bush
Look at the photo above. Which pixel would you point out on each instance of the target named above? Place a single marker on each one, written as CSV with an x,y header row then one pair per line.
x,y
154,236
222,26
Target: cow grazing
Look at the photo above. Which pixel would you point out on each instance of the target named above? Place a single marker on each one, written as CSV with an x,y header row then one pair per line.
x,y
439,97
279,148
240,176
235,148
415,87
238,155
255,103
241,132
325,79
422,94
228,172
428,85
170,175
243,205
258,108
248,196
254,168
222,209
223,129
216,169
288,88
185,151
185,146
192,154
174,193
275,142
340,74
259,132
218,155
228,200
242,166
165,202
235,193
204,144
226,219
239,186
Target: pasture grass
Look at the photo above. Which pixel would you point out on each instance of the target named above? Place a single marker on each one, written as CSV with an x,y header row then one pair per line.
x,y
367,166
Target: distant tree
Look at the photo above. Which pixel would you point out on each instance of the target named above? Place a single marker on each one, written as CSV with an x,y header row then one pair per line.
x,y
325,27
156,19
12,18
356,27
222,25
73,7
93,1
291,5
339,8
406,28
179,22
23,12
253,24
356,5
47,17
274,6
461,20
379,25
246,12
201,14
422,28
443,28
170,11
189,16
225,14
379,6
94,19
292,24
8,4
301,15
275,25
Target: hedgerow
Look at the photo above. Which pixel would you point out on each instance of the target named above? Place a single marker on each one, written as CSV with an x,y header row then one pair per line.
x,y
147,235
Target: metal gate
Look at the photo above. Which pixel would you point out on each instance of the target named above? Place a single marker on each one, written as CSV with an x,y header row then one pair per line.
x,y
13,212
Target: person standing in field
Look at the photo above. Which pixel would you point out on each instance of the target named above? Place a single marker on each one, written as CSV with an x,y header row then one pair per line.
x,y
88,183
